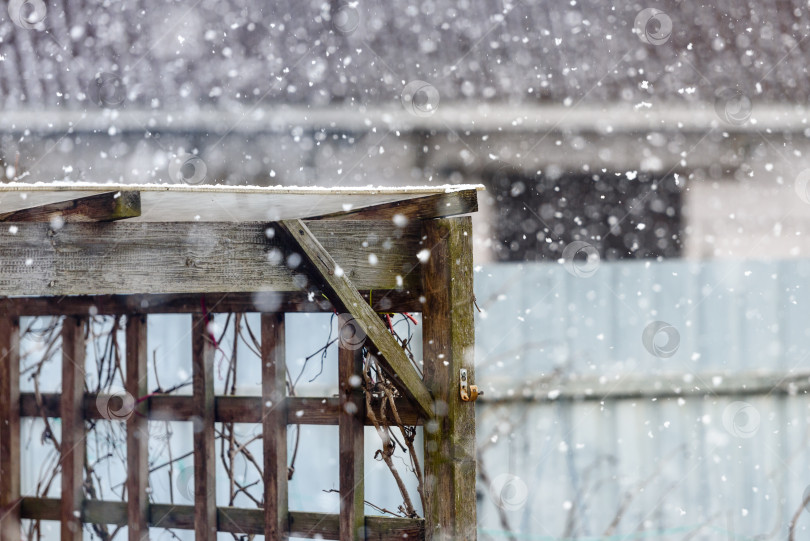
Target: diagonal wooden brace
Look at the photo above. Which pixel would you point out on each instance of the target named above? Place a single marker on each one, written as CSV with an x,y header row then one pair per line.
x,y
346,298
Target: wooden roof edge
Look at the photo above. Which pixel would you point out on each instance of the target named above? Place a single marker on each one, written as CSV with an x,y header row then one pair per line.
x,y
115,204
441,205
106,206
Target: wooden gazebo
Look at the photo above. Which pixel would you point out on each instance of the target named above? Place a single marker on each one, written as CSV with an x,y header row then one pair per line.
x,y
72,250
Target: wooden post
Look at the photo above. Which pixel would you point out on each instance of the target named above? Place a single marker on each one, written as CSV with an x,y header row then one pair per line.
x,y
9,428
73,430
137,431
350,428
274,426
448,340
205,511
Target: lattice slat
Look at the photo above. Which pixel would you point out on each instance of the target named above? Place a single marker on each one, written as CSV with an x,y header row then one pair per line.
x,y
9,428
73,430
202,366
274,425
137,431
351,427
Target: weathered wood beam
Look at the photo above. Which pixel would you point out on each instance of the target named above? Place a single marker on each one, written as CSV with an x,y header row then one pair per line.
x,y
227,409
419,208
9,428
73,430
229,519
274,426
335,282
137,430
385,300
202,375
448,342
103,207
139,257
351,444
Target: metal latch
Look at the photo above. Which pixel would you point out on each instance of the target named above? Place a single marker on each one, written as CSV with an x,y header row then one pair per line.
x,y
469,393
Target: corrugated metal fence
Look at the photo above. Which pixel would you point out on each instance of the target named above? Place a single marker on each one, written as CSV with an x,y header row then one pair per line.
x,y
585,433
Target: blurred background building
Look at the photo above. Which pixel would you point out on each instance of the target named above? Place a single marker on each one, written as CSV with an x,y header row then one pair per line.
x,y
558,109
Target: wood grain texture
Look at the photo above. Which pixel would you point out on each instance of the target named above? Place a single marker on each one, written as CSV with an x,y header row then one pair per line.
x,y
342,293
448,342
127,257
103,207
137,430
419,208
9,428
202,367
274,425
73,429
385,300
299,410
351,444
230,519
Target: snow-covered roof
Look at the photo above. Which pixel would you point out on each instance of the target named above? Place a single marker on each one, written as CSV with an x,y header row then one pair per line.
x,y
228,53
217,203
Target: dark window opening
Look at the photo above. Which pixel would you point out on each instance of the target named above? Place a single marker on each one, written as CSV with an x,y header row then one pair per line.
x,y
624,216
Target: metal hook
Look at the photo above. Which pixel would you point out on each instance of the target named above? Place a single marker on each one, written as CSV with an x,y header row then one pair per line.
x,y
469,393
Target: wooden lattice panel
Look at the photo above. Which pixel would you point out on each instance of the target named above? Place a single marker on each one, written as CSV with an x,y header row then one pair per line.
x,y
271,410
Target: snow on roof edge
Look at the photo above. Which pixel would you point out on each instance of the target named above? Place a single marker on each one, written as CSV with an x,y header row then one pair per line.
x,y
62,185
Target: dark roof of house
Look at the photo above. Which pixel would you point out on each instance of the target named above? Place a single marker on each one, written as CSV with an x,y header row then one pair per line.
x,y
87,54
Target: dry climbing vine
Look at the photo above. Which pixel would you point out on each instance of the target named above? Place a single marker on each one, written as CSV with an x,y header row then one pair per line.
x,y
105,371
